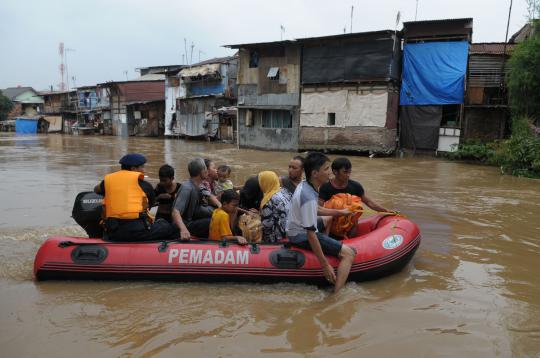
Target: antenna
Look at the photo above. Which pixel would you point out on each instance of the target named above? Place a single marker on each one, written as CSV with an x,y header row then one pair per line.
x,y
191,55
416,12
282,31
200,51
126,73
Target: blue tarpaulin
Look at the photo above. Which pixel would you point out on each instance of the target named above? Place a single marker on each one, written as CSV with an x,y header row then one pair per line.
x,y
434,73
26,126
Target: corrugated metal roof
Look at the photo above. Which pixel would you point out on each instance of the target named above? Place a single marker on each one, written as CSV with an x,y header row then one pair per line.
x,y
214,60
262,44
13,92
437,21
309,39
387,33
490,48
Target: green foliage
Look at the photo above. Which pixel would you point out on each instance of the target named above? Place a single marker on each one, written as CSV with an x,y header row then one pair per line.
x,y
5,106
524,77
519,155
475,150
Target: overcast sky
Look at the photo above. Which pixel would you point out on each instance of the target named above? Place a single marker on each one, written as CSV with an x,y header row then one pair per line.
x,y
110,37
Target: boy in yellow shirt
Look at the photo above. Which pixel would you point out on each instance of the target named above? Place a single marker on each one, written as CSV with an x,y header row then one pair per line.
x,y
224,217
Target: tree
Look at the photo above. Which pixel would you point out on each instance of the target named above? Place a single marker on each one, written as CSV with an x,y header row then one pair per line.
x,y
533,9
5,106
524,77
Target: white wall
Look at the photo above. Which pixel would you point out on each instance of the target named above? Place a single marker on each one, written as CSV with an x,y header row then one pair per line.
x,y
352,108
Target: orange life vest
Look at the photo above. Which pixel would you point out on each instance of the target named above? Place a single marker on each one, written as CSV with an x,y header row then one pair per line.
x,y
124,197
341,225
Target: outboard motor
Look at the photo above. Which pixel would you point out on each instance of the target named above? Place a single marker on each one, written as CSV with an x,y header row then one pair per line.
x,y
87,213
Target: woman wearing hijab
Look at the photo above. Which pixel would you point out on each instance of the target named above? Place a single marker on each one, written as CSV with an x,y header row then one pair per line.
x,y
274,207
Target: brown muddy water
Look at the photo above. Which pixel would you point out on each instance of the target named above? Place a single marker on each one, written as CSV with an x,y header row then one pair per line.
x,y
472,289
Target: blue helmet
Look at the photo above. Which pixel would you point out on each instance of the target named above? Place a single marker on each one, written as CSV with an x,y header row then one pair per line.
x,y
133,160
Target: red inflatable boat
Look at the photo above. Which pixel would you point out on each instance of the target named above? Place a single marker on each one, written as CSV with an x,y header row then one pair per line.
x,y
385,245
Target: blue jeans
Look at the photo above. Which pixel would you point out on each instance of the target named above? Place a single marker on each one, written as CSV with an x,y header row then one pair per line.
x,y
329,246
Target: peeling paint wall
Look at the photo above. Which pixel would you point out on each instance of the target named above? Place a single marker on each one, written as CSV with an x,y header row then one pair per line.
x,y
351,108
361,118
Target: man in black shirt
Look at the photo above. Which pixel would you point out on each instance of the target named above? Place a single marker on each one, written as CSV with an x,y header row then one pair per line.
x,y
165,192
342,167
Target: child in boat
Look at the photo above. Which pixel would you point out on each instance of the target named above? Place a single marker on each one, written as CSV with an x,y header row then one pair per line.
x,y
224,218
165,192
223,183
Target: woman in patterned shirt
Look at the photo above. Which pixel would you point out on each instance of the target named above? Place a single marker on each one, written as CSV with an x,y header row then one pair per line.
x,y
274,207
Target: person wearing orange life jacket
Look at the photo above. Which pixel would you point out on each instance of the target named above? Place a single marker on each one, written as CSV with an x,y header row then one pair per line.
x,y
127,198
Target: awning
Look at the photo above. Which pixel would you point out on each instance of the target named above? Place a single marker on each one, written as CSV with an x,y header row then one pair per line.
x,y
204,70
273,72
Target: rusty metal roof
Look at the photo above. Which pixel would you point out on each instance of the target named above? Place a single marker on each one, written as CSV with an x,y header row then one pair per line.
x,y
490,48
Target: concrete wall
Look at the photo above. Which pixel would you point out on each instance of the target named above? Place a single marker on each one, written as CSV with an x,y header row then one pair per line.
x,y
255,136
359,139
364,119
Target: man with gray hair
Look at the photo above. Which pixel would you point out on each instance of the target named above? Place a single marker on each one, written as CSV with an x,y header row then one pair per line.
x,y
189,214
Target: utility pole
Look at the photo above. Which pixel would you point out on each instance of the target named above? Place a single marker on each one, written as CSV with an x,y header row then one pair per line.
x,y
416,12
185,50
502,85
66,50
126,74
200,54
352,11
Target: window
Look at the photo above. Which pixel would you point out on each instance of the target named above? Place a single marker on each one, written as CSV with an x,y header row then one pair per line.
x,y
253,59
331,120
276,119
273,74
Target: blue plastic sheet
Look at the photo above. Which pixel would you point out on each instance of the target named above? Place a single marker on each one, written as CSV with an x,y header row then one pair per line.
x,y
26,126
434,73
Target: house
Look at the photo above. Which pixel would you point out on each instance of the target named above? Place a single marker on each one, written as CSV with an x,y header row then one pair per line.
x,y
486,110
27,102
324,93
349,92
172,92
59,109
137,106
268,95
435,55
93,109
204,88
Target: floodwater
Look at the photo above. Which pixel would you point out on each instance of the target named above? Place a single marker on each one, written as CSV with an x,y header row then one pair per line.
x,y
471,290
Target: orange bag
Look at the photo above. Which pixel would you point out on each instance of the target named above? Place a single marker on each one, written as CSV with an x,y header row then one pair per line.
x,y
341,225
